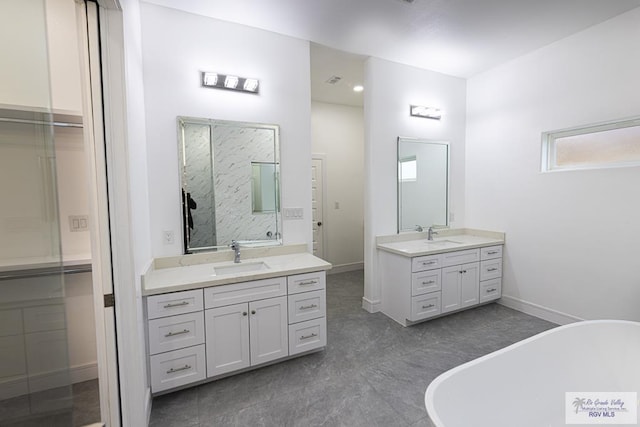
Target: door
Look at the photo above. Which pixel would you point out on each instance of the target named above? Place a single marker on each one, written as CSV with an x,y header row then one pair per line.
x,y
35,375
104,311
451,288
470,284
317,206
269,330
227,338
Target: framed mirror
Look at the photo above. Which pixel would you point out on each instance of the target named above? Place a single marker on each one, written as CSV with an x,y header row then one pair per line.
x,y
230,183
423,184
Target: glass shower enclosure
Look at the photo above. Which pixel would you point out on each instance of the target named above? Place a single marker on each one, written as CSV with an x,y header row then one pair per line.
x,y
35,386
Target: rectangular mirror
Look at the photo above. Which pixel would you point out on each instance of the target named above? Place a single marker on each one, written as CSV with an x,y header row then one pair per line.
x,y
423,184
230,183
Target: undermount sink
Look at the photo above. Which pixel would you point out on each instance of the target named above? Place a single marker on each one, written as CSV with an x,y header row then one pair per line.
x,y
442,242
240,268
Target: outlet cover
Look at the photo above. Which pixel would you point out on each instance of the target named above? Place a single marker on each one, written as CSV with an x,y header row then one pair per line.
x,y
78,223
168,237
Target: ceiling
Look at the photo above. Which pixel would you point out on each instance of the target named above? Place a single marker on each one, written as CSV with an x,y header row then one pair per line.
x,y
456,37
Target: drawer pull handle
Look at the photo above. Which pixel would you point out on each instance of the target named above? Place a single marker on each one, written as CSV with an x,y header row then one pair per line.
x,y
492,252
306,337
307,307
428,306
491,290
173,334
492,269
429,282
428,262
174,370
308,282
178,304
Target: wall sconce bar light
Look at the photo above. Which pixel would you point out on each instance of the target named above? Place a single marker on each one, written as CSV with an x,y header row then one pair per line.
x,y
226,81
425,112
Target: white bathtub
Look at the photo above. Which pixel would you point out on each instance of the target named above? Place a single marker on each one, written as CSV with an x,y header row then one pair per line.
x,y
524,385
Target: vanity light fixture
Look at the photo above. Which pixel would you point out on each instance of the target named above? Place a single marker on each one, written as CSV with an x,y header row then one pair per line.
x,y
225,81
426,112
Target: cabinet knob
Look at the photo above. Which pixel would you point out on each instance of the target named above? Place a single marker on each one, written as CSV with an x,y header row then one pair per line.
x,y
244,313
253,312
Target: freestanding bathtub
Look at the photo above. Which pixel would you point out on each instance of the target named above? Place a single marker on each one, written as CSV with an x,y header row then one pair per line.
x,y
524,385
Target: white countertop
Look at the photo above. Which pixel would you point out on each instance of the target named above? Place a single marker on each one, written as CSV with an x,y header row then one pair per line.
x,y
416,244
181,273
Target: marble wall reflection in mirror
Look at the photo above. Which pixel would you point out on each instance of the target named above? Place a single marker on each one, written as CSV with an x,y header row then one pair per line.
x,y
230,183
423,183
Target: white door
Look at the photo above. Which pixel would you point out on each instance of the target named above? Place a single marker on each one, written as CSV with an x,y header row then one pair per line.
x,y
317,204
227,338
470,285
88,37
269,330
451,288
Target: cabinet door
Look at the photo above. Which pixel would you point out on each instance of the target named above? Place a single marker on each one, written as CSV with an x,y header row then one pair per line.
x,y
269,330
451,281
470,284
227,338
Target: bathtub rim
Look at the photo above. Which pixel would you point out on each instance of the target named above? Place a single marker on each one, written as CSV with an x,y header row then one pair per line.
x,y
433,385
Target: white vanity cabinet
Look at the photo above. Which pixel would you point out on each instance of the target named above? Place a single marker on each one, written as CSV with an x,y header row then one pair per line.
x,y
422,287
212,331
248,333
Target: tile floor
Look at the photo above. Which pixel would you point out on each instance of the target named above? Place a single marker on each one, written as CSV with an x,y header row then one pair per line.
x,y
373,372
60,407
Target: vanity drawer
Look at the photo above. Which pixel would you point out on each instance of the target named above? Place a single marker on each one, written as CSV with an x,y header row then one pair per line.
x,y
425,306
175,332
427,262
306,282
425,282
309,335
460,257
490,290
491,252
177,368
219,296
174,303
490,269
307,306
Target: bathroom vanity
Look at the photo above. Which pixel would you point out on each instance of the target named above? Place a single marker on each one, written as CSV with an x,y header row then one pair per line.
x,y
208,317
422,279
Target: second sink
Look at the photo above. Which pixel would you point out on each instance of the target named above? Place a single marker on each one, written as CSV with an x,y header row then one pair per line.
x,y
240,268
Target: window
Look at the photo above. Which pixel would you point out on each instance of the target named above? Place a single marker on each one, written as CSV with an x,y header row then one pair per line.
x,y
407,169
612,144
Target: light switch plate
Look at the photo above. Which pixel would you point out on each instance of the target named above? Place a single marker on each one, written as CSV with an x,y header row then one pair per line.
x,y
78,223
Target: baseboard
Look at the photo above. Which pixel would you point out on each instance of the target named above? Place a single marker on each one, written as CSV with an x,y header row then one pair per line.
x,y
343,268
371,306
81,373
23,384
538,311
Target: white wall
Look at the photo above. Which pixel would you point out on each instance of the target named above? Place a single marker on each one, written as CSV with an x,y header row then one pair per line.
x,y
391,88
176,47
572,237
132,206
337,132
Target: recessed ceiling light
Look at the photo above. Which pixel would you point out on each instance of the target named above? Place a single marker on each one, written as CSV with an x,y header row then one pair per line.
x,y
358,88
333,80
231,82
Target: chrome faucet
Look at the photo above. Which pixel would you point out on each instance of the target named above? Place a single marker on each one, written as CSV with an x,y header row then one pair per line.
x,y
431,233
236,248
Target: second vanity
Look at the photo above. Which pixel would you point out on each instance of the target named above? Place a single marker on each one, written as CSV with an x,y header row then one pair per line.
x,y
422,279
208,317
